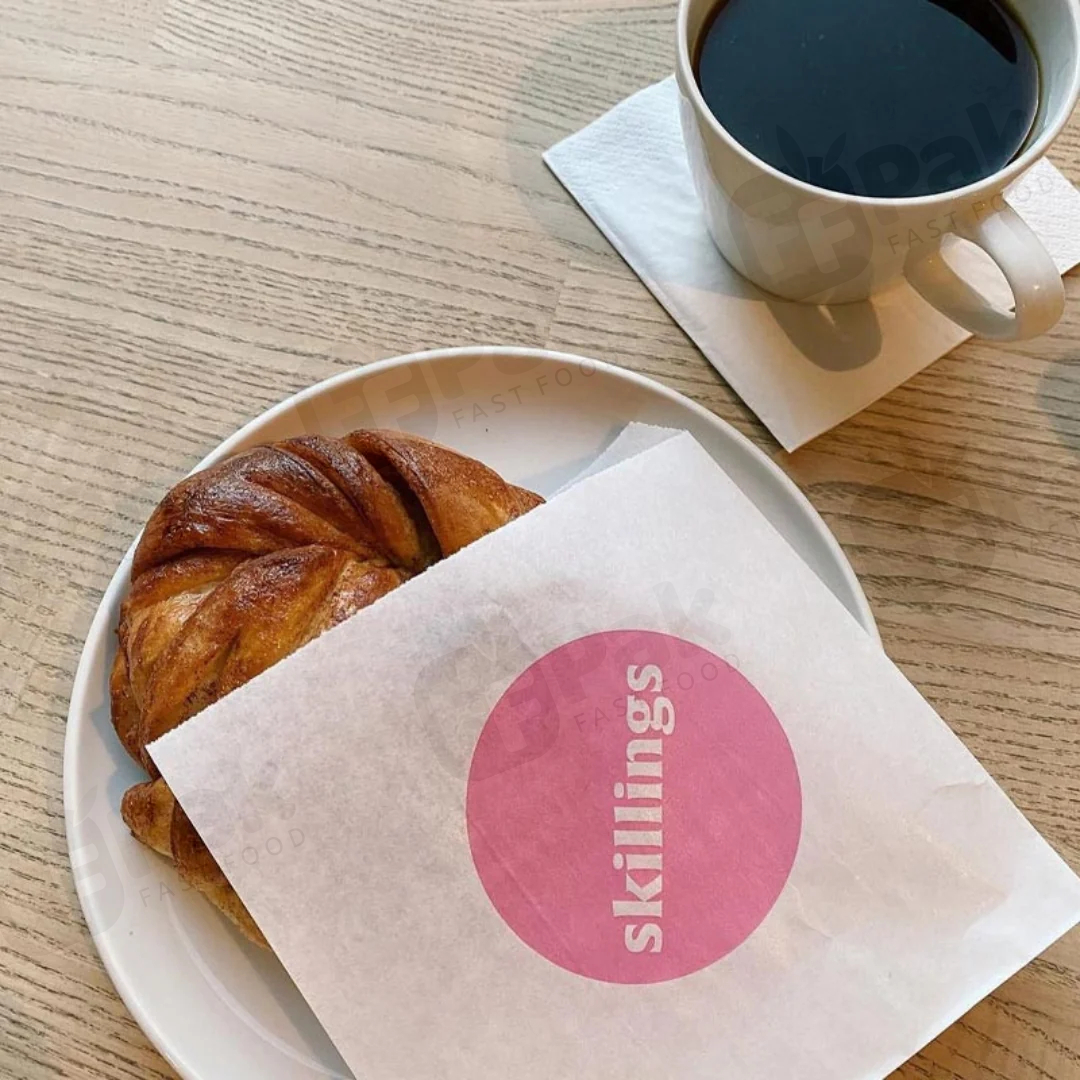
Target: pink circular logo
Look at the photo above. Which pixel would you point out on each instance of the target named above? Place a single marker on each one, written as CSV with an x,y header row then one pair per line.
x,y
633,807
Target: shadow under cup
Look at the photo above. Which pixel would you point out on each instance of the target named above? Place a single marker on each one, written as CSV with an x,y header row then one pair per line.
x,y
805,243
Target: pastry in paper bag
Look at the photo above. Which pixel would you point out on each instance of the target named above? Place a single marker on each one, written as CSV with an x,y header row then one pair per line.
x,y
618,790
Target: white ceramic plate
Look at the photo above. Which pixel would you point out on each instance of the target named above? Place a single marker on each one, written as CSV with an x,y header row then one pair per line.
x,y
214,1005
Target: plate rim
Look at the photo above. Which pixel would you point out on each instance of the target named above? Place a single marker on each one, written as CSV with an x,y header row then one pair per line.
x,y
77,708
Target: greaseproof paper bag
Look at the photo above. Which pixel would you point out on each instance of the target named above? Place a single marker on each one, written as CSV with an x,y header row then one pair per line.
x,y
620,790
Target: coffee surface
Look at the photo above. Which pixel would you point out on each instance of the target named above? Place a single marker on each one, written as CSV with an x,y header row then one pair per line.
x,y
886,98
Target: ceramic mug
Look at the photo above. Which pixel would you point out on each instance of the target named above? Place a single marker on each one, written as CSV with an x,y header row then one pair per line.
x,y
806,243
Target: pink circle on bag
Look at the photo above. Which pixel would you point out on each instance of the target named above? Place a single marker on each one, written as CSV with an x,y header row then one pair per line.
x,y
633,807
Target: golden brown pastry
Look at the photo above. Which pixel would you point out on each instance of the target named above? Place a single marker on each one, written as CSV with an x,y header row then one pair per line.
x,y
245,562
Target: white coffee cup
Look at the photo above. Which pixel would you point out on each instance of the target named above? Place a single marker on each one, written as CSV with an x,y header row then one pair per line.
x,y
808,244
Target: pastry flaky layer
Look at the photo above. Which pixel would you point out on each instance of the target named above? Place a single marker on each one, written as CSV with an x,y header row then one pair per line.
x,y
245,562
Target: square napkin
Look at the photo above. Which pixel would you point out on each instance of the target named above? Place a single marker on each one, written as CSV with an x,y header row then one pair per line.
x,y
802,369
596,798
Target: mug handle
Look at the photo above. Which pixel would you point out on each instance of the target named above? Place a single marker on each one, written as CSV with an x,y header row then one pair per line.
x,y
1038,292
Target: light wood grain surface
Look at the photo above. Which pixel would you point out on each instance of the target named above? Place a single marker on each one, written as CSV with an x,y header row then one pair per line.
x,y
206,205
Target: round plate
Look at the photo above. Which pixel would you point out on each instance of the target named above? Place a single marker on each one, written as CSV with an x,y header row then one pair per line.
x,y
213,1004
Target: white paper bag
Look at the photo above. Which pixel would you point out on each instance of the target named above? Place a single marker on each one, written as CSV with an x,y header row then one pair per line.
x,y
620,790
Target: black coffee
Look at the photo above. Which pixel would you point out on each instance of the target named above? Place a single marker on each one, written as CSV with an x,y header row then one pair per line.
x,y
886,98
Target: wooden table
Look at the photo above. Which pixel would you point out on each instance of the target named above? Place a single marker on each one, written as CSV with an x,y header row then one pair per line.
x,y
208,204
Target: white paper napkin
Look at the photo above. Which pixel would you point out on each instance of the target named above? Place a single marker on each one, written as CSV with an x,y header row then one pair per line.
x,y
840,878
802,369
